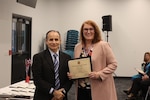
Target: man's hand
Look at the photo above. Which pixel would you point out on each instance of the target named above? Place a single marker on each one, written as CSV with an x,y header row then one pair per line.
x,y
55,99
58,95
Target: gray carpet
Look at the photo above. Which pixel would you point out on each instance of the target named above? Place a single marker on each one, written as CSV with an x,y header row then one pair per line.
x,y
121,84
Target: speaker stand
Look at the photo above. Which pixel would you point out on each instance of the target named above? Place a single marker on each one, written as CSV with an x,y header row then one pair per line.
x,y
107,36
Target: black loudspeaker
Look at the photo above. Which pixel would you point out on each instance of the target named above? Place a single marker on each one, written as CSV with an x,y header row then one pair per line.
x,y
107,23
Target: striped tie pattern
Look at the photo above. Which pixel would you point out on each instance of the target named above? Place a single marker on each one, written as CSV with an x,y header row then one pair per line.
x,y
56,66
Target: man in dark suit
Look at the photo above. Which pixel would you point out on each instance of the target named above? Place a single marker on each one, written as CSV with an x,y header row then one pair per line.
x,y
44,71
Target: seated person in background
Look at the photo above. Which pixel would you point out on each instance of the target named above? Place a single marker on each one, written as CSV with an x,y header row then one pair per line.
x,y
140,81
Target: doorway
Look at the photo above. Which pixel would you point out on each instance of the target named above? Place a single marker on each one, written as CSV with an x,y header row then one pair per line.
x,y
21,46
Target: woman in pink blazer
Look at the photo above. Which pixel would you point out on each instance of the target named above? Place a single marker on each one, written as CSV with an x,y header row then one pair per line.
x,y
100,84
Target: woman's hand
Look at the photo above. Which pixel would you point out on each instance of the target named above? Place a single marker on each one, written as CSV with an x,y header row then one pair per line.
x,y
69,75
145,77
94,75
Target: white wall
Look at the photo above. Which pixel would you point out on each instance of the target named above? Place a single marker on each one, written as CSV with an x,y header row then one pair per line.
x,y
130,23
44,18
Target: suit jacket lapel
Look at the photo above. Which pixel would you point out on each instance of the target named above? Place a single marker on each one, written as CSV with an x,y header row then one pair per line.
x,y
49,59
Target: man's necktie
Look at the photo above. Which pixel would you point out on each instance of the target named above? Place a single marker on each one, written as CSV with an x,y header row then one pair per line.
x,y
56,66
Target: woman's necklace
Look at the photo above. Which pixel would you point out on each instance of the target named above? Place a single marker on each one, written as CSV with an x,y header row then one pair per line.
x,y
86,51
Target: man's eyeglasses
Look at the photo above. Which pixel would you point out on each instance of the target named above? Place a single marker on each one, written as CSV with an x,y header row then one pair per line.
x,y
86,29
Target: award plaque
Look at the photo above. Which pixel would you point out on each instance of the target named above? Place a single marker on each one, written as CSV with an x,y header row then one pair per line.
x,y
80,67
